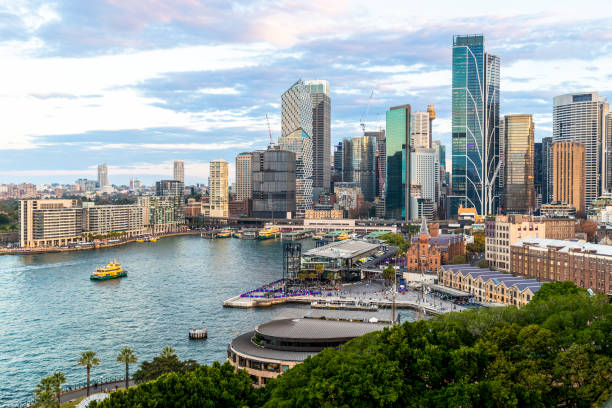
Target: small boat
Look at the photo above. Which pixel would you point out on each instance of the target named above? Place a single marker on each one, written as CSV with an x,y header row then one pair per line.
x,y
111,271
140,240
198,334
225,234
317,237
269,233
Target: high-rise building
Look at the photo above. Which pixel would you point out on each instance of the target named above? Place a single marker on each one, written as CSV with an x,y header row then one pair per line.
x,y
274,183
338,162
102,175
519,190
608,149
569,159
547,165
580,117
420,127
432,116
179,170
423,173
244,171
537,173
475,126
321,135
397,186
296,129
176,190
359,164
218,190
381,169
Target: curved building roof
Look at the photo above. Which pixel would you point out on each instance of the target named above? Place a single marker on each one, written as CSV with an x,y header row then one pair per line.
x,y
315,329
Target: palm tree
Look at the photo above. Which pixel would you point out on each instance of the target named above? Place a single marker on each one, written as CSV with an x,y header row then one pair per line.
x,y
45,400
44,386
167,352
127,356
88,359
58,379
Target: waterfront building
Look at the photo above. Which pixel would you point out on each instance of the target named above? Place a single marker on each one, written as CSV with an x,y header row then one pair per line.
x,y
339,259
537,173
193,208
519,190
580,117
160,215
49,222
176,190
104,219
423,173
569,184
296,136
587,265
218,202
274,183
475,126
420,130
547,170
241,208
324,214
397,185
244,176
359,164
102,175
348,195
278,345
485,285
430,250
321,135
179,171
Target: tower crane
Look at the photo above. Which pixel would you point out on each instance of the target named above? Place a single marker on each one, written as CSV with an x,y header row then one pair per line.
x,y
365,115
269,131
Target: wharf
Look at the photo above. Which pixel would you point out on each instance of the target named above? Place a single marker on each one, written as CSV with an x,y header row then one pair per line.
x,y
296,235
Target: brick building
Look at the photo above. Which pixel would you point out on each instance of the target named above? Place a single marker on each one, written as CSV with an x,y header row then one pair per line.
x,y
587,265
431,250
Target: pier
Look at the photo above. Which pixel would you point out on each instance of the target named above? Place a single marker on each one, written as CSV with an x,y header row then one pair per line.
x,y
296,235
198,334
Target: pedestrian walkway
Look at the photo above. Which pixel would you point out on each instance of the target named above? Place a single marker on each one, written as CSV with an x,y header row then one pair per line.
x,y
93,389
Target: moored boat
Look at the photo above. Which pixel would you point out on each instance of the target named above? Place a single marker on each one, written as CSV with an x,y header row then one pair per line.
x,y
111,271
269,233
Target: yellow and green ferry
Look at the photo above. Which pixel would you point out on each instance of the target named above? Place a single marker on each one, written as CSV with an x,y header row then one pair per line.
x,y
269,233
111,271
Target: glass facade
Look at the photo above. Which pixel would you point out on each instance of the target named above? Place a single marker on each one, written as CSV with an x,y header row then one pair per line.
x,y
360,164
547,165
397,144
475,124
519,157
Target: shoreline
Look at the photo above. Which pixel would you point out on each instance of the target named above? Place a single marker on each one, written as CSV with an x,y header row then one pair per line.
x,y
32,251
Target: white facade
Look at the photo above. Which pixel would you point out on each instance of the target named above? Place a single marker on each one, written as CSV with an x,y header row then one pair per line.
x,y
218,203
580,117
102,175
423,171
244,176
420,130
179,171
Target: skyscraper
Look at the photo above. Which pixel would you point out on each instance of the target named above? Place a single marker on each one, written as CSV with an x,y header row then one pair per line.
x,y
397,186
475,126
608,147
359,164
244,176
296,136
218,190
273,183
338,162
547,166
519,191
102,175
537,172
569,174
321,135
179,170
381,169
580,117
420,130
176,191
423,173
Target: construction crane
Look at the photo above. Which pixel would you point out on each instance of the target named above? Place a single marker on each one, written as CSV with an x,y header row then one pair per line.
x,y
269,131
365,115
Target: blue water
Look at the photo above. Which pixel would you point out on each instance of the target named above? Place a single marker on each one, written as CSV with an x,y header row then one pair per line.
x,y
50,311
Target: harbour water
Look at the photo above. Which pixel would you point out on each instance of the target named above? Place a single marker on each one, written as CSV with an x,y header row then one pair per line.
x,y
50,311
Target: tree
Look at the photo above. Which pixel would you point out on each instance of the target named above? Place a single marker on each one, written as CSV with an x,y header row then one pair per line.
x,y
168,352
388,273
167,362
483,263
88,359
478,246
57,380
457,260
589,227
46,389
127,356
396,240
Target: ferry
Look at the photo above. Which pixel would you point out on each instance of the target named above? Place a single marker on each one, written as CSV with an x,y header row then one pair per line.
x,y
225,234
269,233
111,271
343,236
317,237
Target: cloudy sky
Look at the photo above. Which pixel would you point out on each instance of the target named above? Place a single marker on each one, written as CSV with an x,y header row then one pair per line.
x,y
139,83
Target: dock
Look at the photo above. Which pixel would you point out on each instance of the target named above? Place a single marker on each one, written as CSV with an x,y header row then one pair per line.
x,y
296,235
198,334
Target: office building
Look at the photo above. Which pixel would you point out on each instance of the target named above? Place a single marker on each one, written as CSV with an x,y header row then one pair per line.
x,y
348,195
359,164
547,173
423,174
179,171
608,154
381,170
218,190
420,130
321,135
102,175
296,129
537,173
338,157
587,265
244,184
274,183
475,126
519,190
397,185
569,184
580,117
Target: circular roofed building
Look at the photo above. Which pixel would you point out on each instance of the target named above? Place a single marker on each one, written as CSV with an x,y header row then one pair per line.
x,y
276,346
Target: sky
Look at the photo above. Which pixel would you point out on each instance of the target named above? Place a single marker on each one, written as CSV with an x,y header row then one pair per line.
x,y
137,84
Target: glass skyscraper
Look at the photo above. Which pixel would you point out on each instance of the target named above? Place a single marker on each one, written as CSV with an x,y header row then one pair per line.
x,y
475,126
359,164
296,136
397,201
547,166
519,189
321,134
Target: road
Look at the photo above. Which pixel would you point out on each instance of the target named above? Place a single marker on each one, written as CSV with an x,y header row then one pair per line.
x,y
81,392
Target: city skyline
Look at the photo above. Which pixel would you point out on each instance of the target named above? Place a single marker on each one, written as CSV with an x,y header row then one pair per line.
x,y
198,109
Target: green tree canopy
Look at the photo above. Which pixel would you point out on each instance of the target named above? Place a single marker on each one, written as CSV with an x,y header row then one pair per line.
x,y
167,362
396,240
457,260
